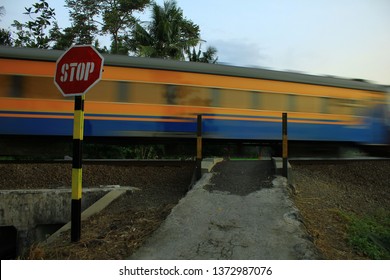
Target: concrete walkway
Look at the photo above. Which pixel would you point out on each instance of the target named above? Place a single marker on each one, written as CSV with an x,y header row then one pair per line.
x,y
239,211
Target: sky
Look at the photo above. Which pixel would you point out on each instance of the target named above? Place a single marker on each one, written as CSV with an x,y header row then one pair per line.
x,y
344,38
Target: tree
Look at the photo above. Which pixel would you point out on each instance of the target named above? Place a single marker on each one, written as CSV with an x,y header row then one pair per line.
x,y
118,18
62,40
5,37
84,17
206,57
93,17
33,33
168,35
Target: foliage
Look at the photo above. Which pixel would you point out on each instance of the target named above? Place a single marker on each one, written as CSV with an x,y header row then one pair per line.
x,y
118,19
168,35
83,15
61,40
104,151
116,16
32,34
206,57
5,37
370,235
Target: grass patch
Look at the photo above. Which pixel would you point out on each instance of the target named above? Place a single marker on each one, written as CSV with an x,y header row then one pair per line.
x,y
370,235
7,158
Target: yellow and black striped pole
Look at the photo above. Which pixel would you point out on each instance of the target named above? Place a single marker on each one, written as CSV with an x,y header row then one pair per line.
x,y
285,146
199,147
78,135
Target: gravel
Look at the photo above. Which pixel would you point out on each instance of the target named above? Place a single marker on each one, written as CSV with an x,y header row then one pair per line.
x,y
59,175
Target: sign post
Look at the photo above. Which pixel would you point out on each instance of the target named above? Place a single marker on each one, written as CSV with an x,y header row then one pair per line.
x,y
77,71
285,145
199,147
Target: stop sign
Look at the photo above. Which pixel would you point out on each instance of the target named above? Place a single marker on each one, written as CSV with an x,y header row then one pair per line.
x,y
78,70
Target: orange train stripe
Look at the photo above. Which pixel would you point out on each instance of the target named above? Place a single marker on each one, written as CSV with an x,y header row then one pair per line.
x,y
36,105
229,82
36,116
92,118
27,67
156,110
131,109
142,118
113,73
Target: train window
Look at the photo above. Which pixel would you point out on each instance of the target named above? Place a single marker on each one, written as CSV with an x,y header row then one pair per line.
x,y
40,87
255,104
215,97
360,107
103,91
17,86
235,98
171,94
148,93
308,104
352,106
193,96
124,91
341,106
274,101
291,101
5,85
324,105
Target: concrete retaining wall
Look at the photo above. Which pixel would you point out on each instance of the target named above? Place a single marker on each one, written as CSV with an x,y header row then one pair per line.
x,y
24,209
31,211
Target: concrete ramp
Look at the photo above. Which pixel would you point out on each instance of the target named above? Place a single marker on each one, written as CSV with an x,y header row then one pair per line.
x,y
93,209
239,211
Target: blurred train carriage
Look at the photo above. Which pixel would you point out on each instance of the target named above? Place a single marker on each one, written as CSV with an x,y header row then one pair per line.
x,y
142,97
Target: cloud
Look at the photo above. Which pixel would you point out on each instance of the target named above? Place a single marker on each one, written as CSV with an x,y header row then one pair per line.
x,y
239,52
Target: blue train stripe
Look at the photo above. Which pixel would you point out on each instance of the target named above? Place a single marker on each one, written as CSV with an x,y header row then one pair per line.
x,y
213,128
150,117
277,118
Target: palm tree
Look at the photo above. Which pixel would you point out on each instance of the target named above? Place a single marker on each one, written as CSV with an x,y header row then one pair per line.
x,y
209,56
168,35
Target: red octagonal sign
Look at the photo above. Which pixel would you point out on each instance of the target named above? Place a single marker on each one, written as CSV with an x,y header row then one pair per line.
x,y
78,70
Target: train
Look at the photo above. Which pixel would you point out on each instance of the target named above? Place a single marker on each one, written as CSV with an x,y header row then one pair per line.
x,y
160,98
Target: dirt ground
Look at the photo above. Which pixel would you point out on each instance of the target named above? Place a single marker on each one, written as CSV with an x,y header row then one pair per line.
x,y
321,191
324,190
